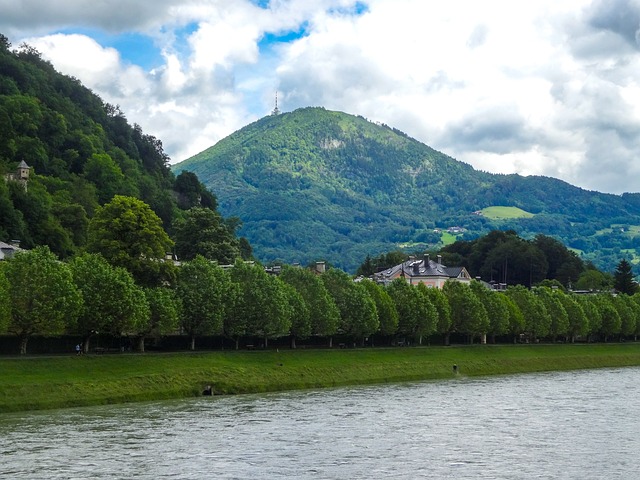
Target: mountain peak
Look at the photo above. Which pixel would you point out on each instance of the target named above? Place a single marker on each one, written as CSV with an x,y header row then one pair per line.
x,y
319,184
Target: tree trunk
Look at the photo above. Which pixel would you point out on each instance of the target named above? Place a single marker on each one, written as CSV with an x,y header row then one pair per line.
x,y
193,343
293,342
447,339
237,343
266,342
85,343
420,340
330,342
141,344
23,344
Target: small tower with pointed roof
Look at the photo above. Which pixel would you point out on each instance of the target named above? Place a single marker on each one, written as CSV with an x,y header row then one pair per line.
x,y
21,174
23,171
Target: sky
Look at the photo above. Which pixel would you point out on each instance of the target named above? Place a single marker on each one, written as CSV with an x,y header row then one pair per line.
x,y
532,87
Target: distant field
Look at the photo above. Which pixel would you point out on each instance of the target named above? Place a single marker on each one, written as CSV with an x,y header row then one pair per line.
x,y
500,213
627,230
448,238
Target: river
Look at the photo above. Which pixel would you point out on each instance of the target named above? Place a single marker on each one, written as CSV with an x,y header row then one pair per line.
x,y
560,425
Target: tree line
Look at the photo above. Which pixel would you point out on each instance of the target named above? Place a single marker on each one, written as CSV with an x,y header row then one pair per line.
x,y
147,296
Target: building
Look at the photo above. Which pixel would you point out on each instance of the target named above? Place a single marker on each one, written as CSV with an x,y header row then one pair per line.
x,y
427,271
21,174
7,250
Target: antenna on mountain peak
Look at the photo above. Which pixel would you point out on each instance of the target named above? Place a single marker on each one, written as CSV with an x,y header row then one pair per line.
x,y
276,111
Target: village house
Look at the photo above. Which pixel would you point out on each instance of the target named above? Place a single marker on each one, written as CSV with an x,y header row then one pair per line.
x,y
427,271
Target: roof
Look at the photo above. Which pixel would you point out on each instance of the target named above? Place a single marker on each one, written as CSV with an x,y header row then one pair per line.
x,y
7,250
420,268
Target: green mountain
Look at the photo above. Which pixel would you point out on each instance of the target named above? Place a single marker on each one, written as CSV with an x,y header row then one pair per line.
x,y
81,152
315,184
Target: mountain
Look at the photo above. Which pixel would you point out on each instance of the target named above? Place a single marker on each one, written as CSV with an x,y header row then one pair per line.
x,y
315,184
80,152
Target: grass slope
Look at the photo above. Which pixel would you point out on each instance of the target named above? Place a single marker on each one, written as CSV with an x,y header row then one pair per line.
x,y
55,382
501,213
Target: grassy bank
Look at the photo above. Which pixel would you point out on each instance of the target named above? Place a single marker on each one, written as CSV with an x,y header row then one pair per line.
x,y
53,382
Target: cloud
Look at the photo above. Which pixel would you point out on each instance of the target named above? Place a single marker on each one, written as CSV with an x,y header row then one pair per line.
x,y
36,16
621,17
541,87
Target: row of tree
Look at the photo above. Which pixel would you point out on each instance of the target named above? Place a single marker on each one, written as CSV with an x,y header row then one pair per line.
x,y
41,295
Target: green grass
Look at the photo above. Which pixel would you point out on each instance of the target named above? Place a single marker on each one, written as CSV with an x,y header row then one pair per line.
x,y
502,213
448,238
54,382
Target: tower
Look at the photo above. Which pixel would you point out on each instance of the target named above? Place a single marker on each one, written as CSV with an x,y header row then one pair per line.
x,y
23,171
276,111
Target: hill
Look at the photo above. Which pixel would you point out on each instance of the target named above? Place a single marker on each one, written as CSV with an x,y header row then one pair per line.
x,y
316,184
81,152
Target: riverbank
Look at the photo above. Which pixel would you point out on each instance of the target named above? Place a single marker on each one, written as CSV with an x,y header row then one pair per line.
x,y
35,383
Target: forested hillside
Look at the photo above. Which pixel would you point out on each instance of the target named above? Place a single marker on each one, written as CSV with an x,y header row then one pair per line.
x,y
81,153
316,184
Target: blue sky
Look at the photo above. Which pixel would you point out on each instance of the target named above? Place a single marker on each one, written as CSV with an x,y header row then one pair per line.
x,y
545,88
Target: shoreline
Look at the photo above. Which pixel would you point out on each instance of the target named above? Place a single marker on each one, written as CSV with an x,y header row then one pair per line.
x,y
37,383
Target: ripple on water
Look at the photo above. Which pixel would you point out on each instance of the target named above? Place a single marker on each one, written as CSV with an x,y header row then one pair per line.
x,y
555,425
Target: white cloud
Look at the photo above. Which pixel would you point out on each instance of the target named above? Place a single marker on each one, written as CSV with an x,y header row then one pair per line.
x,y
540,87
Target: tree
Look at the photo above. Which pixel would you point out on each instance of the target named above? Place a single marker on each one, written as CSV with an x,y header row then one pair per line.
x,y
627,313
164,314
578,321
611,322
322,308
439,300
517,322
300,315
105,174
623,279
263,302
385,308
44,298
537,320
129,234
636,301
594,280
367,268
427,325
496,308
564,265
411,306
592,312
234,324
559,319
357,310
112,302
5,301
202,231
468,315
201,288
190,191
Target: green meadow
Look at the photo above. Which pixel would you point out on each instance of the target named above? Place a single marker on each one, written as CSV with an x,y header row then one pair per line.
x,y
502,213
34,383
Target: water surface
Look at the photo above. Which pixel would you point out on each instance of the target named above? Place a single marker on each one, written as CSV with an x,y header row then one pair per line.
x,y
575,425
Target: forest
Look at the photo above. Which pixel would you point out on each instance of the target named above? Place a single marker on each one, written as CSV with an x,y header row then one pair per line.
x,y
81,153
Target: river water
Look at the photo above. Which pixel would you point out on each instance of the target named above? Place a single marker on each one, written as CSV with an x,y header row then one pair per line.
x,y
576,425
